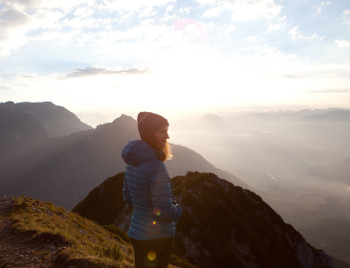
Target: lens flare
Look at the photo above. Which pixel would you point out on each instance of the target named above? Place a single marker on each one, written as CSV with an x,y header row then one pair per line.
x,y
151,256
157,211
153,227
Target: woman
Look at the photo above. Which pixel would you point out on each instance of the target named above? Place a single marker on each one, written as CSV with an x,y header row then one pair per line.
x,y
147,188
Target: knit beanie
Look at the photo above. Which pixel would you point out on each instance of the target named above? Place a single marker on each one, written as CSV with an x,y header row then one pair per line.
x,y
149,123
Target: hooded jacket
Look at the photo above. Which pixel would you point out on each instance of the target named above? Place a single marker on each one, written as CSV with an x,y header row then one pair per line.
x,y
148,189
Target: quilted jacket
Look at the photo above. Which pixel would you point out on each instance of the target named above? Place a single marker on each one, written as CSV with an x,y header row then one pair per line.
x,y
148,189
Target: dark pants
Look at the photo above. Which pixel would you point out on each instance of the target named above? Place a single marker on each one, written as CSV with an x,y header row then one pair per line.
x,y
152,253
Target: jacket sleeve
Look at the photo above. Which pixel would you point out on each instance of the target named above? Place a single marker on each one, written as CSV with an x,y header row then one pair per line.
x,y
164,207
126,193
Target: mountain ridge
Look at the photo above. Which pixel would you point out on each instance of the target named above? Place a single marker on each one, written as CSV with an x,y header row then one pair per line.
x,y
56,120
63,169
222,226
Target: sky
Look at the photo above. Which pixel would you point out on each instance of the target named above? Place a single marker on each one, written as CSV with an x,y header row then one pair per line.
x,y
102,58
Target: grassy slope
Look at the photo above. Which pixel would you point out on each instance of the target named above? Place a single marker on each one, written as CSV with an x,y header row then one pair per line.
x,y
82,240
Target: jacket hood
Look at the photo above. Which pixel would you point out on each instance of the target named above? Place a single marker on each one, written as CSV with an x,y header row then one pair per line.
x,y
137,152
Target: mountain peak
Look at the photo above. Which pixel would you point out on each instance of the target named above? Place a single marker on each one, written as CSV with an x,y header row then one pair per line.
x,y
124,125
124,118
210,118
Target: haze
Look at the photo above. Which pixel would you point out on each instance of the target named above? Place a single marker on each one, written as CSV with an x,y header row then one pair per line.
x,y
298,161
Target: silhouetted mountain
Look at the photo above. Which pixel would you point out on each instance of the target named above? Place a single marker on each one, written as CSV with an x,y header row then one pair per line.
x,y
207,122
23,126
56,120
211,120
64,169
18,132
222,226
334,115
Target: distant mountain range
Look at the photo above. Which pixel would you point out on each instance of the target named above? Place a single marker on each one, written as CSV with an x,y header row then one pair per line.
x,y
25,125
222,226
334,115
55,120
298,161
63,169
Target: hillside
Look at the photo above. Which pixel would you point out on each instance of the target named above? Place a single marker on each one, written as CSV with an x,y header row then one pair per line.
x,y
39,234
63,170
223,225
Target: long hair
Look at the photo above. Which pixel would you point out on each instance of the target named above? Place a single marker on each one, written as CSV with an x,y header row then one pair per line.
x,y
164,153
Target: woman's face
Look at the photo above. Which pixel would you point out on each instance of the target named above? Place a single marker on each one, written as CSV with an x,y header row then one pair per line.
x,y
161,136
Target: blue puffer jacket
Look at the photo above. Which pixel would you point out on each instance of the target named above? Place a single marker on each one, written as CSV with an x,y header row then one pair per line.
x,y
147,187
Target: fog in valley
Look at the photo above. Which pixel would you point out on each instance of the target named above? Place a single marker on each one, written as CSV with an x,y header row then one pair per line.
x,y
298,161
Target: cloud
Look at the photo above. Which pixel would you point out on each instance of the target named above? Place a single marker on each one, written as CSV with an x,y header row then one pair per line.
x,y
185,10
134,5
190,28
11,21
20,22
297,35
25,4
342,43
322,5
94,71
214,12
346,14
77,23
5,88
11,17
206,2
246,10
35,5
332,91
294,76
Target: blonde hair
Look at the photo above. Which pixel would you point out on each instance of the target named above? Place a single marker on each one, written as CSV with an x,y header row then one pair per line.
x,y
164,153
